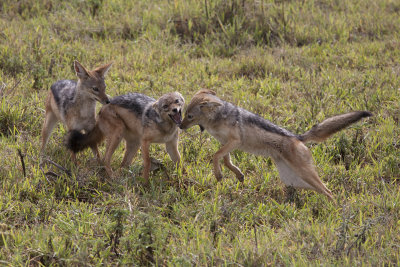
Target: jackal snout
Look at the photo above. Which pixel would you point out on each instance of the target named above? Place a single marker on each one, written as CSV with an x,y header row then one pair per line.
x,y
170,105
97,90
101,96
184,124
176,115
93,81
203,105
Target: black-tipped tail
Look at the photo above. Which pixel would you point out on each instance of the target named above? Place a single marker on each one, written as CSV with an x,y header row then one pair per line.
x,y
77,141
325,129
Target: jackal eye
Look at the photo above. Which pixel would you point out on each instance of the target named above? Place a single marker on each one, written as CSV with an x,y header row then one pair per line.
x,y
189,116
165,106
177,101
95,89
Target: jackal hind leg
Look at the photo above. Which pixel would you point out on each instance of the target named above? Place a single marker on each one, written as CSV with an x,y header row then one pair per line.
x,y
49,122
132,146
96,153
299,170
112,144
73,158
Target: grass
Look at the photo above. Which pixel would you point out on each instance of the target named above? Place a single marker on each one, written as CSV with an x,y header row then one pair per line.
x,y
293,63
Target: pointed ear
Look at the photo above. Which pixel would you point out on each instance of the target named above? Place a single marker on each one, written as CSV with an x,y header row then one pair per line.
x,y
102,70
210,104
155,106
205,91
181,97
80,70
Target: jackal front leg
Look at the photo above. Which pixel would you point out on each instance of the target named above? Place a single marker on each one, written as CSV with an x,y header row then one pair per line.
x,y
146,160
173,152
232,167
96,153
48,125
222,152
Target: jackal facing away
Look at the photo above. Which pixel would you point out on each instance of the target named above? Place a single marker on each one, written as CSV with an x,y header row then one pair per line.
x,y
140,120
237,128
74,103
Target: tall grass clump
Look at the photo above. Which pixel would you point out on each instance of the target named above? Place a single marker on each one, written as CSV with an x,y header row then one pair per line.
x,y
230,25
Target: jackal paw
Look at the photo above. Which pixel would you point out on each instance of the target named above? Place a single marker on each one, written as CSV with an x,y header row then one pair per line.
x,y
219,177
240,178
109,173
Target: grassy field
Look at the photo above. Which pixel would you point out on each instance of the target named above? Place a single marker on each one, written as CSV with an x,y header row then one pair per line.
x,y
293,62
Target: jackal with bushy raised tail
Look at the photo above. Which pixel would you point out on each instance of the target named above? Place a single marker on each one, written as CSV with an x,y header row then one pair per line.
x,y
237,128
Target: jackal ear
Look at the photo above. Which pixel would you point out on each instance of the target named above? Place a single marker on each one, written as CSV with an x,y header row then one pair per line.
x,y
80,70
155,107
102,70
181,97
205,91
210,104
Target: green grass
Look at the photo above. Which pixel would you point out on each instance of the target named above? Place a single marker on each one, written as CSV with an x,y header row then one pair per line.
x,y
295,63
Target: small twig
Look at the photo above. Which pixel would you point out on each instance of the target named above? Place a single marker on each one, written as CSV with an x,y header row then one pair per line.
x,y
68,172
255,238
49,173
12,90
21,157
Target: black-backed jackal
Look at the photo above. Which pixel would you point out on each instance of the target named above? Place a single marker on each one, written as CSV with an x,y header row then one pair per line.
x,y
74,103
237,128
140,120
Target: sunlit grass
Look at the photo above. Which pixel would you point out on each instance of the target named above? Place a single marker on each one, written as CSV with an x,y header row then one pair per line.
x,y
294,63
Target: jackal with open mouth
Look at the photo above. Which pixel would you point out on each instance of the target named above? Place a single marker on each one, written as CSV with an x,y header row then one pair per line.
x,y
140,120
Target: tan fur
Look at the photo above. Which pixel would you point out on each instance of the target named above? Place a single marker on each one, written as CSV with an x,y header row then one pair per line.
x,y
80,113
323,130
139,130
237,128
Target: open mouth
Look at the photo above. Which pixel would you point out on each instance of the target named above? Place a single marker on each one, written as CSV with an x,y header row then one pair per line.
x,y
177,117
102,101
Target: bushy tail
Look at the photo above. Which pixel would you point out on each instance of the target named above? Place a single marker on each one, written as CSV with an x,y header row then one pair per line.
x,y
323,130
77,141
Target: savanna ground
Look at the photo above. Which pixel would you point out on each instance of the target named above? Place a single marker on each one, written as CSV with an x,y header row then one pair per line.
x,y
293,62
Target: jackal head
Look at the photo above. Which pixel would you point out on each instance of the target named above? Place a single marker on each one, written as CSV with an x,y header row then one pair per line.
x,y
201,108
169,106
92,82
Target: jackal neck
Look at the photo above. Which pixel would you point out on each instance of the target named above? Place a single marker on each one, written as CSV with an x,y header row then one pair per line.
x,y
83,97
79,87
166,126
151,116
